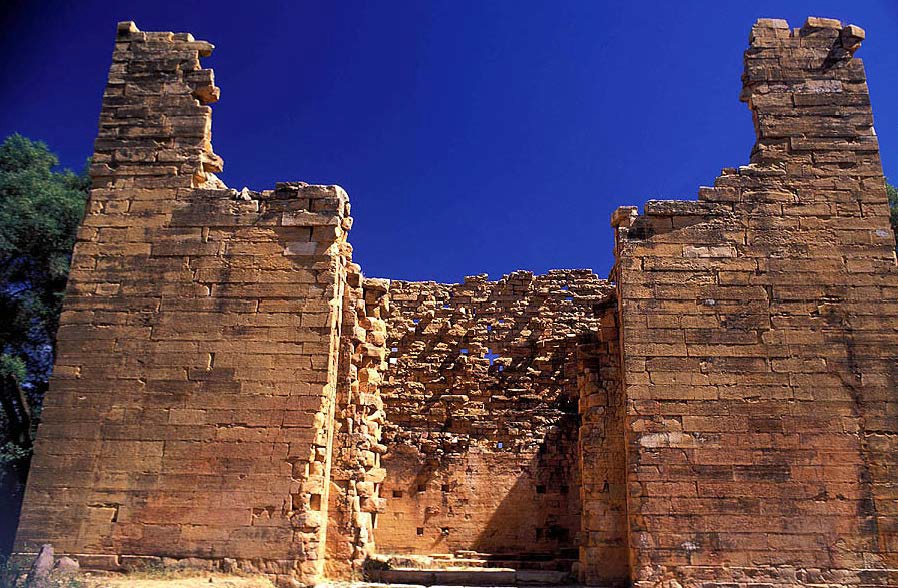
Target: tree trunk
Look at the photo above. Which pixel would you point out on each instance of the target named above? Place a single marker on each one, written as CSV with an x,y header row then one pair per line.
x,y
15,407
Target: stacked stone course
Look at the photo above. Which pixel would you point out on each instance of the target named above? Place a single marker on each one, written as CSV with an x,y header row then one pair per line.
x,y
190,415
357,474
759,330
230,392
481,398
604,555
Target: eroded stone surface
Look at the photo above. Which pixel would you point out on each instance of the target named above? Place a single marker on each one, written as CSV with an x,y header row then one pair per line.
x,y
760,342
230,393
482,402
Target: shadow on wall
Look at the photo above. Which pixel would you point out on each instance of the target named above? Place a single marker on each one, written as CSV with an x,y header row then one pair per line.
x,y
539,513
487,500
482,410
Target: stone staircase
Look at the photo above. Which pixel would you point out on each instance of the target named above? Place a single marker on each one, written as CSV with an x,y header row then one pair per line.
x,y
468,568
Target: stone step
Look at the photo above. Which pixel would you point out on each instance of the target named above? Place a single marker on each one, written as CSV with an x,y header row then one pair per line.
x,y
552,565
475,576
537,562
337,584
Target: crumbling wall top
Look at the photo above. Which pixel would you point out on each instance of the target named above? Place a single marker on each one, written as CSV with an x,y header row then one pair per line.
x,y
155,124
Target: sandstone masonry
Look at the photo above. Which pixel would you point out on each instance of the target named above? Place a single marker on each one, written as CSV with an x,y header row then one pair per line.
x,y
231,392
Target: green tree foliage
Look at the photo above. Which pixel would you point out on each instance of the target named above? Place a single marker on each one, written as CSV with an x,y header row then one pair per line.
x,y
39,214
40,210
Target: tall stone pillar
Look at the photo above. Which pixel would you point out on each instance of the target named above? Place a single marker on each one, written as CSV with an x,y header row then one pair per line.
x,y
759,330
190,414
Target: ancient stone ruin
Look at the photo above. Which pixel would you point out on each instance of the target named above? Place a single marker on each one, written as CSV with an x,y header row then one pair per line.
x,y
231,392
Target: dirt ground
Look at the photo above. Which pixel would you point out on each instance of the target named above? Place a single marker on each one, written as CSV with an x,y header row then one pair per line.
x,y
157,580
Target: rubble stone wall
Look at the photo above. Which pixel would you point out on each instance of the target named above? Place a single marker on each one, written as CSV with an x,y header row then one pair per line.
x,y
604,554
356,474
481,395
759,342
191,407
229,390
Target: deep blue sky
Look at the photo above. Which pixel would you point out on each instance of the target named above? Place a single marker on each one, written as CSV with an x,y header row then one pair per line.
x,y
471,136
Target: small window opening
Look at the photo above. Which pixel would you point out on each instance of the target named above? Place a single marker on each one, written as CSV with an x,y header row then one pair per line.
x,y
565,287
501,321
315,502
446,305
394,349
491,356
501,368
569,298
421,487
464,351
416,321
444,531
444,488
489,328
540,489
419,530
397,493
499,445
556,532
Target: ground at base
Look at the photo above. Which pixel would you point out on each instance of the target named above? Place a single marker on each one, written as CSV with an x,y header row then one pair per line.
x,y
382,585
176,579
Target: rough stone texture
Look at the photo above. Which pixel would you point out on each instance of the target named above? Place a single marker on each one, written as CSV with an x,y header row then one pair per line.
x,y
481,397
230,392
66,565
356,474
604,557
39,573
191,408
760,339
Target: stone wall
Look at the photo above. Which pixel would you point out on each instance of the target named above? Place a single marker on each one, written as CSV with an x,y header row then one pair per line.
x,y
760,343
230,392
356,474
481,397
191,408
604,555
